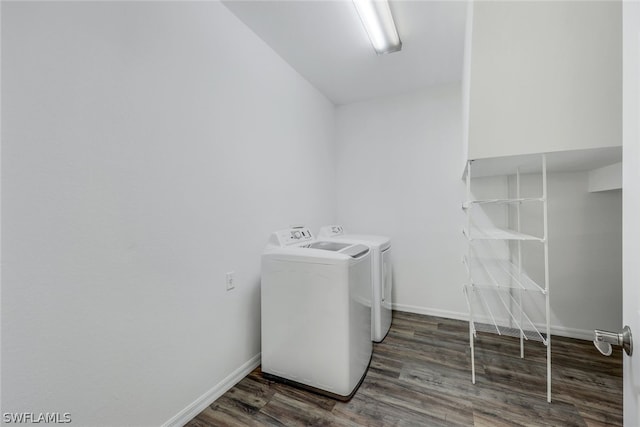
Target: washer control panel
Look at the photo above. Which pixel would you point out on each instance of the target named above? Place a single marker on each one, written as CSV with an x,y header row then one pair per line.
x,y
293,236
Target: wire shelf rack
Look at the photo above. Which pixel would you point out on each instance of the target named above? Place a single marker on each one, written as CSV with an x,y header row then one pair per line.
x,y
502,298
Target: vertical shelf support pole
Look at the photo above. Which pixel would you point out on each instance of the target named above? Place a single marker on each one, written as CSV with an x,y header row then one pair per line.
x,y
519,243
546,274
471,342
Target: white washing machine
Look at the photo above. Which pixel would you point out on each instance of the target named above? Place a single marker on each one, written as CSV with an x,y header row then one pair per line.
x,y
316,312
381,275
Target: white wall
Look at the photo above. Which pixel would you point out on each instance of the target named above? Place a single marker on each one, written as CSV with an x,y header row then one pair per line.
x,y
545,76
585,247
148,148
398,174
466,83
585,252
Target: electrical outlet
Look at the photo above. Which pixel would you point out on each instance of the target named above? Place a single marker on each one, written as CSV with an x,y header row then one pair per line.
x,y
231,284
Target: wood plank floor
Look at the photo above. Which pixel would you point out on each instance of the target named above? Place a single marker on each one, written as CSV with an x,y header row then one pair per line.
x,y
420,375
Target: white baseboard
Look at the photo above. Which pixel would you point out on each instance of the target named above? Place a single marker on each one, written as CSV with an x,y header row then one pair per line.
x,y
184,416
581,334
431,311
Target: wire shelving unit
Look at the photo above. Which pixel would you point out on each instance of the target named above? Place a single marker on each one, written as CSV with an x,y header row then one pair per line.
x,y
500,294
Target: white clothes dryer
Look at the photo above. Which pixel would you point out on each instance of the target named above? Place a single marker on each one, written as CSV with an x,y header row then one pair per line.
x,y
316,312
381,275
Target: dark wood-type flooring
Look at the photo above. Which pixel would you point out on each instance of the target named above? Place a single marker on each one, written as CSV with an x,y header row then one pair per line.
x,y
420,375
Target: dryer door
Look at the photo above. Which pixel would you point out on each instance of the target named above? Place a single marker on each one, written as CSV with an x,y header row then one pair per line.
x,y
387,284
387,274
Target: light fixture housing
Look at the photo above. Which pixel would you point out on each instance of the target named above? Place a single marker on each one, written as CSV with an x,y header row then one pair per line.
x,y
378,22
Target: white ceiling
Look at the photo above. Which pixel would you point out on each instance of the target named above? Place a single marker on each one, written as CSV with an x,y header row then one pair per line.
x,y
326,43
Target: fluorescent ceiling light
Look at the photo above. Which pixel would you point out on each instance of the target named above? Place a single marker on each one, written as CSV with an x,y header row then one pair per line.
x,y
377,20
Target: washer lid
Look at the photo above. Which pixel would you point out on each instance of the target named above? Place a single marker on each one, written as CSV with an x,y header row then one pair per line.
x,y
381,242
336,233
354,251
328,246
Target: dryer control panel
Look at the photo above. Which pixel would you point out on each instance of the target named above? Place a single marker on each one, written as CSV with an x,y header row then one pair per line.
x,y
331,230
293,236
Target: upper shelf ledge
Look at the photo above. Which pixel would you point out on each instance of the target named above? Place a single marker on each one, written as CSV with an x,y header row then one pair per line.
x,y
559,161
466,205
